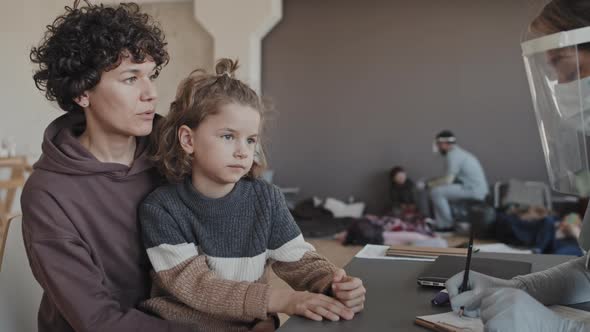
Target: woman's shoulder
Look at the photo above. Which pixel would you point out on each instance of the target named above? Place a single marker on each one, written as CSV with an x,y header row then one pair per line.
x,y
47,182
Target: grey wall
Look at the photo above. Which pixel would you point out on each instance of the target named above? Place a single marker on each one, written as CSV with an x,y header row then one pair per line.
x,y
360,86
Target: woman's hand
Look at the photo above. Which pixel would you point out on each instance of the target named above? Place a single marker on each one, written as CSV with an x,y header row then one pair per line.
x,y
310,305
349,290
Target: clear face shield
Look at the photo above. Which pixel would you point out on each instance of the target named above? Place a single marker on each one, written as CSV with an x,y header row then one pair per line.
x,y
558,70
435,148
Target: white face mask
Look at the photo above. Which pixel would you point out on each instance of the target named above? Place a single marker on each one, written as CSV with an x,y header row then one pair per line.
x,y
575,110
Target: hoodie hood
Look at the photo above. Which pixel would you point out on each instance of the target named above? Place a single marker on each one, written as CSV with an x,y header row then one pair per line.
x,y
64,154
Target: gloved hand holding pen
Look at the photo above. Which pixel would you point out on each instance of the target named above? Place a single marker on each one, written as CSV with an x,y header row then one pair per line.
x,y
509,309
477,284
504,306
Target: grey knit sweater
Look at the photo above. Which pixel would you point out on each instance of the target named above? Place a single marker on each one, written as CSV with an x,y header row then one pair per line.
x,y
210,255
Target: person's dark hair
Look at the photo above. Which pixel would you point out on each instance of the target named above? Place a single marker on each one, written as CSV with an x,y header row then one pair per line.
x,y
395,170
563,15
88,40
198,96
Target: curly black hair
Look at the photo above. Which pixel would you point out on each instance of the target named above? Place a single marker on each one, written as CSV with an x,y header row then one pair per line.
x,y
86,41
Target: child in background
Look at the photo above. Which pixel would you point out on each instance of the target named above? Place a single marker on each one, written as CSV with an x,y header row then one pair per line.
x,y
403,190
212,234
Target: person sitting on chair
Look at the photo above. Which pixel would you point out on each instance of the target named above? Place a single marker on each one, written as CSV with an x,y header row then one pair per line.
x,y
464,178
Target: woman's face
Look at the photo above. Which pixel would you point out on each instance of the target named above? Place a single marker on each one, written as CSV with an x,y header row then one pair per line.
x,y
566,62
124,101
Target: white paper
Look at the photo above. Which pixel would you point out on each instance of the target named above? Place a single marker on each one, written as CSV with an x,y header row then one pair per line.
x,y
501,247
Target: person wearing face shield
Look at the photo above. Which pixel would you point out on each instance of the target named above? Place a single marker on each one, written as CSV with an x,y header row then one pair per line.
x,y
464,178
557,60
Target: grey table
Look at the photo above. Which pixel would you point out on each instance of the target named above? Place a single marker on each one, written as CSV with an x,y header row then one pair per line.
x,y
393,297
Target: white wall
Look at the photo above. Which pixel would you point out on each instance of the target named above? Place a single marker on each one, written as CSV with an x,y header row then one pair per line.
x,y
238,28
189,45
24,113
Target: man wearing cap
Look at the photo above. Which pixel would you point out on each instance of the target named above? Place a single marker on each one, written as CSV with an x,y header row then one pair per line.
x,y
464,179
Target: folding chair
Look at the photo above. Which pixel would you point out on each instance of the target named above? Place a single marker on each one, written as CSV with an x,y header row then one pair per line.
x,y
18,167
20,293
539,189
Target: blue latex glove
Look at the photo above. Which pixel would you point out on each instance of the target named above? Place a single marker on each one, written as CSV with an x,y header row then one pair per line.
x,y
477,284
508,309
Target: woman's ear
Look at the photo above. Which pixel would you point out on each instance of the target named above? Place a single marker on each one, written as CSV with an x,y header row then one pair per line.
x,y
185,137
83,100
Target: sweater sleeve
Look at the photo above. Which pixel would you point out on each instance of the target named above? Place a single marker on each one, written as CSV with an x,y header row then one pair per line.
x,y
183,273
567,283
296,261
62,263
312,272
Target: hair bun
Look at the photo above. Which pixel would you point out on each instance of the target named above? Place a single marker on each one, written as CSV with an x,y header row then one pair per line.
x,y
227,67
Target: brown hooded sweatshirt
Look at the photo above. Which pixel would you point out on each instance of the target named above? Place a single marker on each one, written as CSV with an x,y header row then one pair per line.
x,y
81,233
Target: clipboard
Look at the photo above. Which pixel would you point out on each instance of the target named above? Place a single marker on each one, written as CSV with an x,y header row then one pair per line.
x,y
449,322
437,327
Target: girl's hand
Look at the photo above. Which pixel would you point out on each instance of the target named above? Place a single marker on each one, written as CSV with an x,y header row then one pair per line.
x,y
310,305
349,290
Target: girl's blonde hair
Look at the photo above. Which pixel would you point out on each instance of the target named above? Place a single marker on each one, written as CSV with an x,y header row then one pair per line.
x,y
198,96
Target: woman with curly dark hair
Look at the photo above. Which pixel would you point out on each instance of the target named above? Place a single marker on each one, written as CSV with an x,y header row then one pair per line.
x,y
79,205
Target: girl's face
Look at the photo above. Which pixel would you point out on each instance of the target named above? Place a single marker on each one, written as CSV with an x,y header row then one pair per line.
x,y
124,101
224,145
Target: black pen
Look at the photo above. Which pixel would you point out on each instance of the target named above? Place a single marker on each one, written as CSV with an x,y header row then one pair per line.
x,y
467,266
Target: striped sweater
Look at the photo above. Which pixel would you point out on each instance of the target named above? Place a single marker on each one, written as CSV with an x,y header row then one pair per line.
x,y
210,256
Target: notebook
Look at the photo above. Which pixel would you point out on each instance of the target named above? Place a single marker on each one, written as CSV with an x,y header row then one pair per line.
x,y
424,252
451,322
445,267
